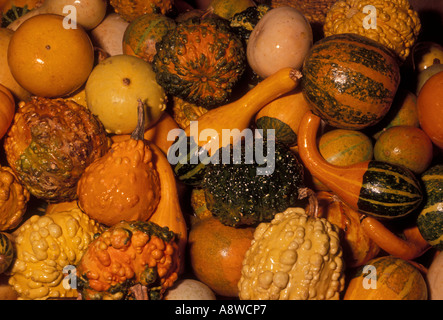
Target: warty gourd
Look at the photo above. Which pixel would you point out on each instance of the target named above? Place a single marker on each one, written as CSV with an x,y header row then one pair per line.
x,y
293,257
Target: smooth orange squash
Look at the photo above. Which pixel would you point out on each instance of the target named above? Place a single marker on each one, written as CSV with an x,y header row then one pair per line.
x,y
236,116
412,247
373,187
7,109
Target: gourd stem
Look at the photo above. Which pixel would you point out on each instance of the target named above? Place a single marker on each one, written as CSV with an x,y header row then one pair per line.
x,y
313,201
139,131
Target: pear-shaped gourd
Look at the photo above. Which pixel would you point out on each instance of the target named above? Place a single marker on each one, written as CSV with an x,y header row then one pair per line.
x,y
375,188
225,125
123,184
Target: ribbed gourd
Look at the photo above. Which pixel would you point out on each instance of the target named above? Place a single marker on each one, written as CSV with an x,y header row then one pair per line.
x,y
350,81
50,144
200,61
293,257
430,219
47,247
375,188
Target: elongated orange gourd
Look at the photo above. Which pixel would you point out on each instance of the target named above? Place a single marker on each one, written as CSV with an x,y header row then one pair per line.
x,y
372,187
238,114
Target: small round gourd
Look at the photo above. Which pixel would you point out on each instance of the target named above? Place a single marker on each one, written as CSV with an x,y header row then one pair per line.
x,y
387,278
281,39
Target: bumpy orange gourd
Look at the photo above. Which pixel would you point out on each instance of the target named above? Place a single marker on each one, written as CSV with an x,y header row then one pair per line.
x,y
123,184
13,199
131,260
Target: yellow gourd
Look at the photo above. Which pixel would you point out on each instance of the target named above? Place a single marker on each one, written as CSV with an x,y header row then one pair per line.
x,y
394,24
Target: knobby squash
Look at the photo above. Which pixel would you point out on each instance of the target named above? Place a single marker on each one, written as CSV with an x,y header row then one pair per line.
x,y
372,187
123,184
350,81
207,135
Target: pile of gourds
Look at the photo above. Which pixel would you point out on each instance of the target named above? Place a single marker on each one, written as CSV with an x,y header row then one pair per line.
x,y
76,194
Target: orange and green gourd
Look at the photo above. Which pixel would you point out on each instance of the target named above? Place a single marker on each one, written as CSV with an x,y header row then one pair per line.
x,y
375,188
430,219
350,81
200,61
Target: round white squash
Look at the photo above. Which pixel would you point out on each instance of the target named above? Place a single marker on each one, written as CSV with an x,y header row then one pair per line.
x,y
282,38
189,289
434,278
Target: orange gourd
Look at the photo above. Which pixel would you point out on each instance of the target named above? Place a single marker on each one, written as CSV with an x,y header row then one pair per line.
x,y
123,184
216,254
168,212
358,247
430,108
376,188
387,278
7,109
238,114
411,246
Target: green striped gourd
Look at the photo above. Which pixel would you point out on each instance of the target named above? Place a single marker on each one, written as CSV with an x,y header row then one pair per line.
x,y
371,187
6,252
430,219
350,81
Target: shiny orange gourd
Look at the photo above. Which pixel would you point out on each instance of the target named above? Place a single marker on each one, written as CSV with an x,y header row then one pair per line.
x,y
372,187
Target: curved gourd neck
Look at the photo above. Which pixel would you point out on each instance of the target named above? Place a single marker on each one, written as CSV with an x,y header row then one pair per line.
x,y
237,115
309,153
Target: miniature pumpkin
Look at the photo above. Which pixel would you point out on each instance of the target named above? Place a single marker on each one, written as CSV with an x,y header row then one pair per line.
x,y
47,244
123,184
50,144
397,24
200,61
293,257
7,109
132,9
131,260
13,199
